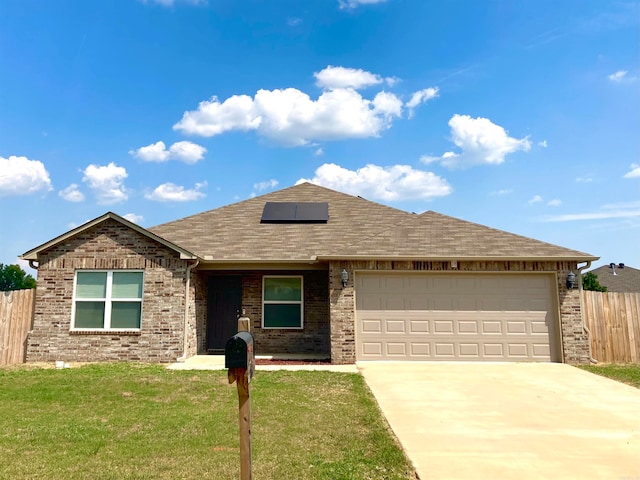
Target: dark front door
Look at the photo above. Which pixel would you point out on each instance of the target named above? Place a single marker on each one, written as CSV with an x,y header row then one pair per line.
x,y
224,309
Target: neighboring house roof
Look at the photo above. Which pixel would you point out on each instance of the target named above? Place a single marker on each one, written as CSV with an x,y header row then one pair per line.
x,y
626,279
33,254
357,228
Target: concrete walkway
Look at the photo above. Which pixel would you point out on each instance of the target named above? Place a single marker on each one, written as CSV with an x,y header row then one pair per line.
x,y
509,421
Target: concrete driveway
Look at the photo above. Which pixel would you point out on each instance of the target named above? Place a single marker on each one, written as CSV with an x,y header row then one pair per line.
x,y
509,421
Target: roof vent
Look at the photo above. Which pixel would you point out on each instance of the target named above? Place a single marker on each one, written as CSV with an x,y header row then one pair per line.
x,y
612,266
295,212
621,265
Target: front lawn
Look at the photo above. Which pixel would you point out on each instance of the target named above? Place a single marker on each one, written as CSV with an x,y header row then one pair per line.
x,y
117,421
629,374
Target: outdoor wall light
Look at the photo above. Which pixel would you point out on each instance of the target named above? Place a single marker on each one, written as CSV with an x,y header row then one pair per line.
x,y
345,277
571,280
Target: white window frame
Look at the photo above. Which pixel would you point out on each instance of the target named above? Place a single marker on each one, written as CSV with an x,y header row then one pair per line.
x,y
284,302
108,301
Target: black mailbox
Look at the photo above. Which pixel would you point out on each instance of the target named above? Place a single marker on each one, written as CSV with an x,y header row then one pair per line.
x,y
238,352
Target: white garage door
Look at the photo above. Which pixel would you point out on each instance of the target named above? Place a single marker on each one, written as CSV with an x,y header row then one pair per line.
x,y
476,317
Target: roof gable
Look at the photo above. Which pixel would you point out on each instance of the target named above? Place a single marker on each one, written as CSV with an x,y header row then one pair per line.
x,y
33,253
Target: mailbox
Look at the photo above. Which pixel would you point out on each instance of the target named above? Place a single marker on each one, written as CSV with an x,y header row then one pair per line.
x,y
238,352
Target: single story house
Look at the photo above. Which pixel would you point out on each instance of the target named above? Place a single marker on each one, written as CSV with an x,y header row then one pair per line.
x,y
618,277
317,272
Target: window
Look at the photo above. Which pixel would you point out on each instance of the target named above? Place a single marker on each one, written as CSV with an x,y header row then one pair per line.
x,y
282,302
107,300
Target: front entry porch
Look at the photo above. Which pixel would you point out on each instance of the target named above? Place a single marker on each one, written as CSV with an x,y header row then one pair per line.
x,y
224,296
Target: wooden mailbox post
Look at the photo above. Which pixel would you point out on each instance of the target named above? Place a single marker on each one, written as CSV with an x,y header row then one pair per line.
x,y
240,360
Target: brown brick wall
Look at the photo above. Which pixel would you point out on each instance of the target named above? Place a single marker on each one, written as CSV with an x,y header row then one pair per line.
x,y
201,306
576,347
109,246
575,341
313,338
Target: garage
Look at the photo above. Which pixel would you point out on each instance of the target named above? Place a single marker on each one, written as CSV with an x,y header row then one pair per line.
x,y
456,317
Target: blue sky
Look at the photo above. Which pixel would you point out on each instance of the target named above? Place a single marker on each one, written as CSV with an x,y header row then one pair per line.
x,y
523,116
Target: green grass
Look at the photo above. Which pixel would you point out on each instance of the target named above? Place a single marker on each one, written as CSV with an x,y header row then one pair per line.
x,y
629,374
115,421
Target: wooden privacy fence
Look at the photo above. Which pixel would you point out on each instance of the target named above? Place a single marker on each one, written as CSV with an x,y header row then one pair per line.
x,y
16,319
614,322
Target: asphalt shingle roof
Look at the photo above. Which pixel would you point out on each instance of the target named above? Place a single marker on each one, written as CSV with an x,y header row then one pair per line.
x,y
626,279
356,228
434,235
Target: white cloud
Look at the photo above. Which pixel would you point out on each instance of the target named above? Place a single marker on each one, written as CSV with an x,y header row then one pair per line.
x,y
393,183
107,182
319,152
170,192
294,21
621,210
634,172
132,217
262,186
482,143
72,193
342,77
618,76
346,4
585,179
543,144
156,152
622,205
213,118
421,96
291,118
391,81
622,76
187,152
504,191
21,176
171,3
388,105
551,203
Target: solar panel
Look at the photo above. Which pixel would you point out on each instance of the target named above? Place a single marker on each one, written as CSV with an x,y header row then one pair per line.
x,y
295,212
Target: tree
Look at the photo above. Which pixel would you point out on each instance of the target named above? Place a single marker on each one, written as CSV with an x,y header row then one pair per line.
x,y
13,277
590,282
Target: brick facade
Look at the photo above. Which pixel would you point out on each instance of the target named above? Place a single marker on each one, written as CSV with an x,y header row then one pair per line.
x,y
329,309
109,246
575,340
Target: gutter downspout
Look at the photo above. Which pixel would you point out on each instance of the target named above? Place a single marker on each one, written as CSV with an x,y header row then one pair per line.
x,y
584,325
185,345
